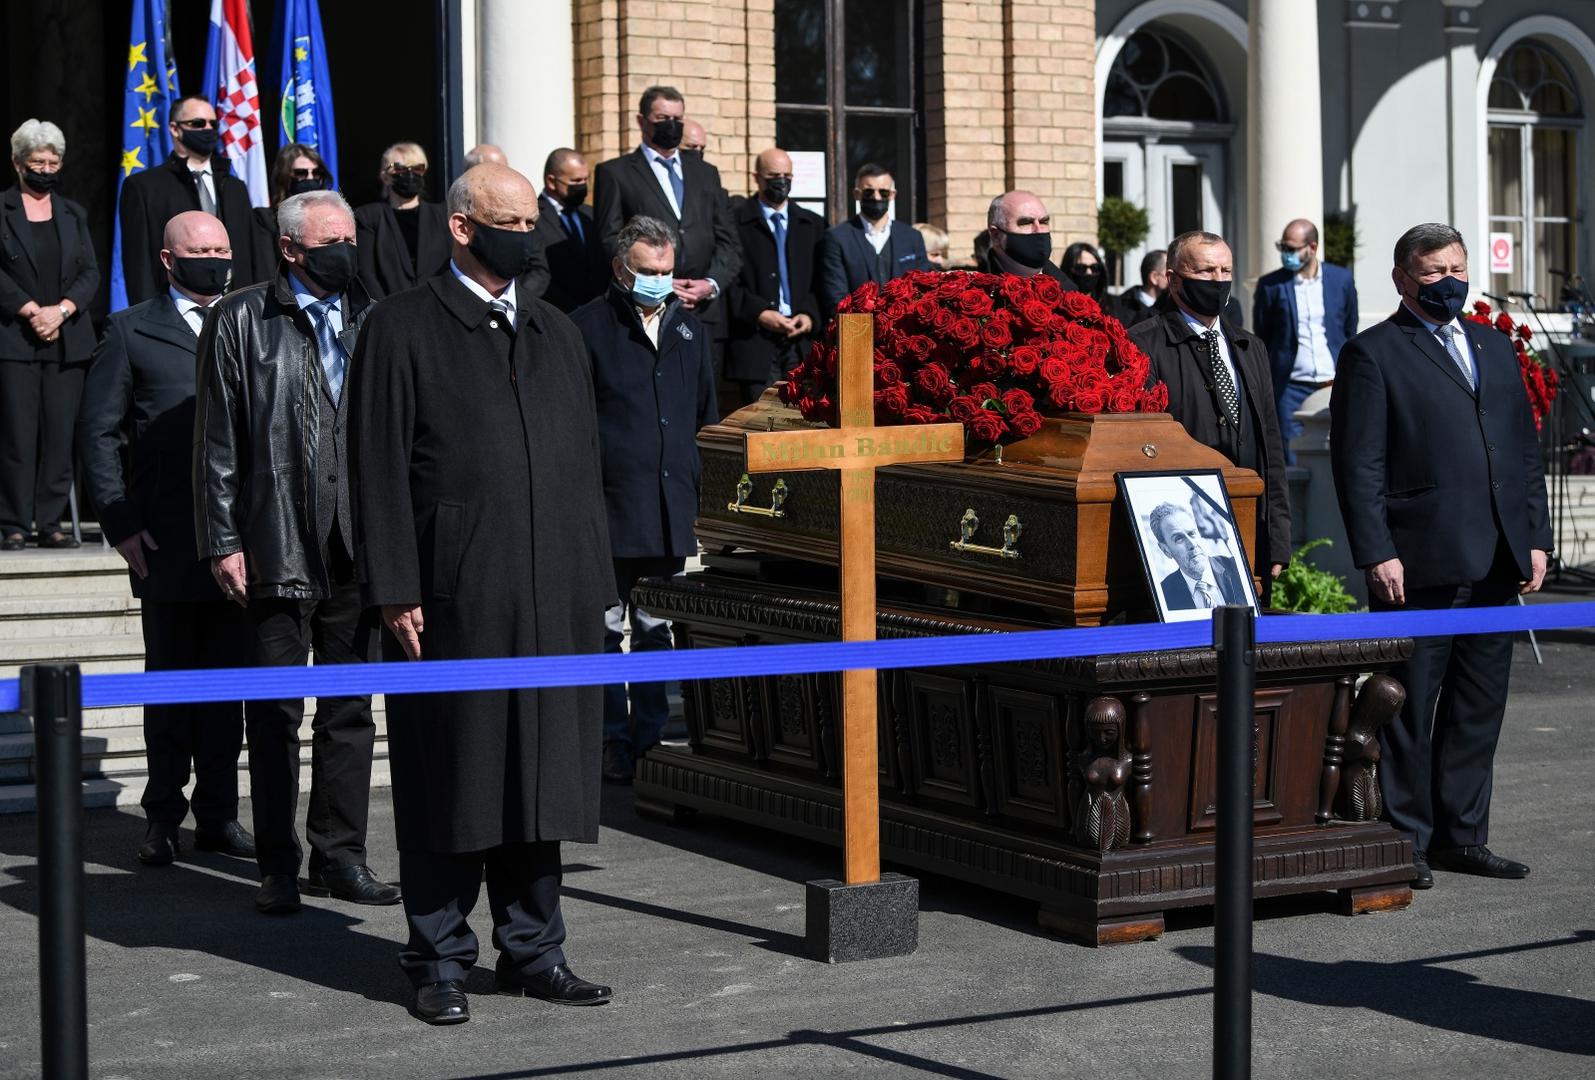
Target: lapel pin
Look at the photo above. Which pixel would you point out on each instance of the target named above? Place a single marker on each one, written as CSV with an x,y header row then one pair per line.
x,y
681,328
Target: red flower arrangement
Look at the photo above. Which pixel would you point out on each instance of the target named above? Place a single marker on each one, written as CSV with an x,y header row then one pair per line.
x,y
1538,379
996,352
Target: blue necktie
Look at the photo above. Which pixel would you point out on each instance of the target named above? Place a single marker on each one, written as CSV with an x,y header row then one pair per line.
x,y
676,185
334,361
780,260
573,225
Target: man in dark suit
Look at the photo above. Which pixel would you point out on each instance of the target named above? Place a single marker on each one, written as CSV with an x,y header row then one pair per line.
x,y
1305,312
774,308
1201,580
1019,230
578,269
653,380
1219,388
195,177
1139,302
658,181
869,246
1438,471
142,381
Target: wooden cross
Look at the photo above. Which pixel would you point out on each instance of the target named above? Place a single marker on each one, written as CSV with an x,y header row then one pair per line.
x,y
856,450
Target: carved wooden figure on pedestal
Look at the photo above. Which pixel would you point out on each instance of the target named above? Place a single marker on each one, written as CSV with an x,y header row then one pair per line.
x,y
1380,699
1102,769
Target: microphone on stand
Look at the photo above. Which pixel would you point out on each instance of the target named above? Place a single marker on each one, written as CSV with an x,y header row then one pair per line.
x,y
1503,301
1519,294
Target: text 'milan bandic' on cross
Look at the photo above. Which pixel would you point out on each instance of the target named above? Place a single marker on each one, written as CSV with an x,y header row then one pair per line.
x,y
855,450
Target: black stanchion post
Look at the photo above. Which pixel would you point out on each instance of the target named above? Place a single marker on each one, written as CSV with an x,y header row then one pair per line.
x,y
1234,636
53,694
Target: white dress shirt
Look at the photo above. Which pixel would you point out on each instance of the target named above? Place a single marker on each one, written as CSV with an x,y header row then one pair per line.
x,y
769,213
1213,591
1313,362
877,235
1223,348
651,321
192,311
1464,346
1145,298
662,174
508,295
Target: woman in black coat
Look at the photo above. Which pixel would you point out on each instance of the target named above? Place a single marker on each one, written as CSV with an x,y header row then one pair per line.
x,y
297,169
48,275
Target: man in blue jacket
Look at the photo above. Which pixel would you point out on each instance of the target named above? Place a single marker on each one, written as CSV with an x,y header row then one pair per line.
x,y
1304,312
653,383
870,245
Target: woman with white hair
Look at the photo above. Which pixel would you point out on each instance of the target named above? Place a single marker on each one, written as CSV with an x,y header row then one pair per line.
x,y
47,277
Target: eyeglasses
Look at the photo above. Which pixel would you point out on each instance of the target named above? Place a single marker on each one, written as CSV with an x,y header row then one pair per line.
x,y
397,169
1284,248
309,174
198,124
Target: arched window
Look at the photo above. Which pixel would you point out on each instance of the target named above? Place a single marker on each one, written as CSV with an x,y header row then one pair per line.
x,y
1535,125
1157,78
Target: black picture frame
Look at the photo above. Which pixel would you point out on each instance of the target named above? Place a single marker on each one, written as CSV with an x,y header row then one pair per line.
x,y
1224,573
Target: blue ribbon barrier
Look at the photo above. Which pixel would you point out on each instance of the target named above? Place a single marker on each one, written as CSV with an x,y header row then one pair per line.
x,y
444,676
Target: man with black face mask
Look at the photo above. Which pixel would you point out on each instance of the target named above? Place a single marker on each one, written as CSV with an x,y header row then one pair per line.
x,y
1020,230
578,269
272,518
195,177
1219,383
142,382
869,246
1437,467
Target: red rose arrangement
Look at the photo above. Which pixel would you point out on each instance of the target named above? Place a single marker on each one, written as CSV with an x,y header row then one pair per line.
x,y
996,352
1538,379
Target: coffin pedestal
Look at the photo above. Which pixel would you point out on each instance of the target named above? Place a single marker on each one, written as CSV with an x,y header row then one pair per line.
x,y
1086,785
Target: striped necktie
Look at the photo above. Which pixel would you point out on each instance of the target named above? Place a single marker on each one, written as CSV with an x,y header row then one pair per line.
x,y
334,361
503,317
1448,337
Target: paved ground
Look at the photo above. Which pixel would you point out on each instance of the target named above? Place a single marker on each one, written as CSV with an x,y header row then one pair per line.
x,y
698,929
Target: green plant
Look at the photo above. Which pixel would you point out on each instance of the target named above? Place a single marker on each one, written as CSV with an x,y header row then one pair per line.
x,y
1340,237
1301,586
1121,226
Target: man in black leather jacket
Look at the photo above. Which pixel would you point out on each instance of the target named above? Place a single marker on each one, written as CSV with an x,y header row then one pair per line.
x,y
272,516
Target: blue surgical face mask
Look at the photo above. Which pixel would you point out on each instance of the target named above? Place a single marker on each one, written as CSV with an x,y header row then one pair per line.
x,y
651,290
1291,260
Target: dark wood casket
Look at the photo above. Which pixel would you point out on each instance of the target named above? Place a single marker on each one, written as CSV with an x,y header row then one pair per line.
x,y
1085,784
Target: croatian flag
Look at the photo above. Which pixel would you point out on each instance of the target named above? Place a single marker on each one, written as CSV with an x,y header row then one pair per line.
x,y
230,82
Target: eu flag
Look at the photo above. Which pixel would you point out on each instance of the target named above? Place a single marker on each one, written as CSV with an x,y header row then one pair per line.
x,y
306,82
147,99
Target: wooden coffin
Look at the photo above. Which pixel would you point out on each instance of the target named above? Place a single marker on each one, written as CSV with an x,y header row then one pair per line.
x,y
1072,554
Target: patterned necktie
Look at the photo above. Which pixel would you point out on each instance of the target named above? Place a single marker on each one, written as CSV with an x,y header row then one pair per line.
x,y
207,202
1204,595
1222,380
334,361
778,220
677,185
505,318
1448,337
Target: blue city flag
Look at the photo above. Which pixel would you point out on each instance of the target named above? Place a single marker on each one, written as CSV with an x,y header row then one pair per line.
x,y
147,99
306,82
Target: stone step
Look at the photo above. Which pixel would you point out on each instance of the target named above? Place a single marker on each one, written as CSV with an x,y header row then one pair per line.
x,y
108,791
52,573
96,653
101,616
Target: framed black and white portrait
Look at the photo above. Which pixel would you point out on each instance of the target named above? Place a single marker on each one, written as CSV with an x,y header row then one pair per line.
x,y
1190,548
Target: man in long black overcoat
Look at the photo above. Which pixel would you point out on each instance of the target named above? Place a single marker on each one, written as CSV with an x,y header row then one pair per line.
x,y
480,517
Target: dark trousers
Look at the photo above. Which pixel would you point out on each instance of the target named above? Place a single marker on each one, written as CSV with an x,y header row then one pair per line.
x,y
440,890
286,632
784,358
637,729
38,412
178,636
1438,756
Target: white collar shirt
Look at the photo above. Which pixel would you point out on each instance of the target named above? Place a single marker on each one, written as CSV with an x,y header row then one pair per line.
x,y
1223,346
1207,579
1313,363
192,311
1144,298
507,296
877,235
769,212
1460,337
662,167
651,321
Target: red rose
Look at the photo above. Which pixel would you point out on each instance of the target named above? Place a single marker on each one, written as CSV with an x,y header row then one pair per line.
x,y
1503,323
1061,395
983,392
1157,399
995,334
965,331
866,297
1055,372
1024,359
1024,424
895,311
1090,400
1125,399
1481,308
987,426
919,414
974,303
1524,332
894,399
1036,313
1076,305
920,347
1046,290
1017,401
888,373
933,380
963,407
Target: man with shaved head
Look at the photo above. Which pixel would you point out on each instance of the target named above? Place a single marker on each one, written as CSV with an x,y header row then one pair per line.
x,y
142,382
577,266
774,306
481,532
1020,229
694,139
485,153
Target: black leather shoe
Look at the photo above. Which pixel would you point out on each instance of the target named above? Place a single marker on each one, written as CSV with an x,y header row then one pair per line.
x,y
14,542
160,845
59,540
230,839
618,766
278,895
558,984
1478,860
442,1003
1422,876
356,884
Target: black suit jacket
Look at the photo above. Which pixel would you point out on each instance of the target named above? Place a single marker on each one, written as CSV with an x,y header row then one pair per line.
x,y
1177,594
707,246
1426,470
153,197
142,384
1127,307
19,283
994,266
847,260
758,287
578,268
1180,359
384,258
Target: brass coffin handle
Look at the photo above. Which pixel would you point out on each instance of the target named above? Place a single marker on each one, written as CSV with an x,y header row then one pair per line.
x,y
778,495
969,524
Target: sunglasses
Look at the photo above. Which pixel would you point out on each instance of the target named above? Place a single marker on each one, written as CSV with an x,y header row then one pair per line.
x,y
197,125
407,170
309,174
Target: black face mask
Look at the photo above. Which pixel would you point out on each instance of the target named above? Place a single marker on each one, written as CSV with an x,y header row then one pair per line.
x,y
776,189
201,141
666,134
314,183
406,185
1441,300
205,276
331,265
695,155
504,252
873,207
574,196
42,182
1031,249
1203,296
